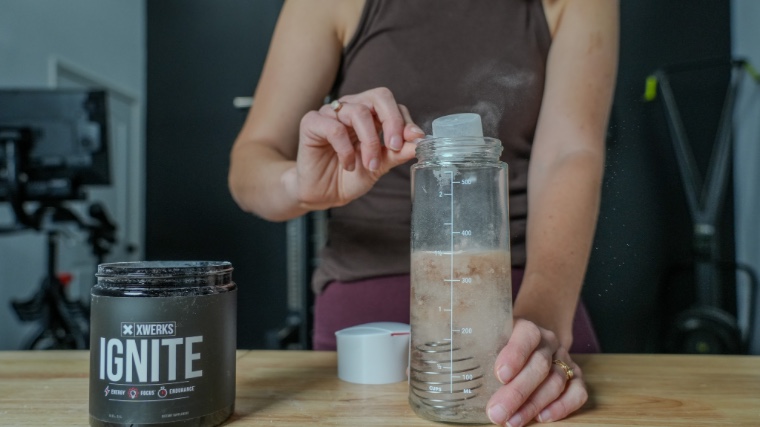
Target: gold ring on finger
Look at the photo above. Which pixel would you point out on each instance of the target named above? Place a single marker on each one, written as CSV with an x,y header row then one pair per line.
x,y
336,106
565,367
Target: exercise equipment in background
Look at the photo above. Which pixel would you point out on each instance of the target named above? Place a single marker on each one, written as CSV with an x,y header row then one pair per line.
x,y
707,326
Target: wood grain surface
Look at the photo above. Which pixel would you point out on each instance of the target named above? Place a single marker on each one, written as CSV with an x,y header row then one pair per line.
x,y
294,388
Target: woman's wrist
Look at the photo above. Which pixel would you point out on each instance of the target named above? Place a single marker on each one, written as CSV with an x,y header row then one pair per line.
x,y
548,316
295,205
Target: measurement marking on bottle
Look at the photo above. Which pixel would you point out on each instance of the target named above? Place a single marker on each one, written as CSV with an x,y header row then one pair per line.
x,y
451,276
451,280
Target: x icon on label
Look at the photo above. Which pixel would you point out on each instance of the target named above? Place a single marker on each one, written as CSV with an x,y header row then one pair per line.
x,y
127,329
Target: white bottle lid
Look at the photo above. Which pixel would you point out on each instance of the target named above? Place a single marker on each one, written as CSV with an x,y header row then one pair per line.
x,y
373,353
456,125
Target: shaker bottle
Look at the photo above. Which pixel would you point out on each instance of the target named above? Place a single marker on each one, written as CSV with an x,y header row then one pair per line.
x,y
461,300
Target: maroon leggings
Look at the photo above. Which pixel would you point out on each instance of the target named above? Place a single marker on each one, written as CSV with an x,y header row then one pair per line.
x,y
386,299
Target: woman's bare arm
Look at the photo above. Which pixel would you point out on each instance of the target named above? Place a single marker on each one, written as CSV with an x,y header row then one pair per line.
x,y
299,71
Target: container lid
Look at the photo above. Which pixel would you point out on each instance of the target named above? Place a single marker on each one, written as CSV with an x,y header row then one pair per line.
x,y
458,125
373,353
376,328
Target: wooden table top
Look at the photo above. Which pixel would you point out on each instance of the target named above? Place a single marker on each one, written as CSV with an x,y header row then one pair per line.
x,y
297,388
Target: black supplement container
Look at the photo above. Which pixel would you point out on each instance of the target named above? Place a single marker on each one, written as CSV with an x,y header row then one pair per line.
x,y
162,344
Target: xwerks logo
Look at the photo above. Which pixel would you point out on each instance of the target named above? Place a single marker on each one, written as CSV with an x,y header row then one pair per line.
x,y
152,329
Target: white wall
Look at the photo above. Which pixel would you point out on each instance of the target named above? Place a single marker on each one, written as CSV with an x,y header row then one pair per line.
x,y
746,43
104,40
106,37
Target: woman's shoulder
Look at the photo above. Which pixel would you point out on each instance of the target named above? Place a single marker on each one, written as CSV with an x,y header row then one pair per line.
x,y
347,14
341,15
553,11
338,17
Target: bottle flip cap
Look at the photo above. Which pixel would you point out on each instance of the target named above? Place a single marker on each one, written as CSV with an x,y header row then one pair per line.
x,y
373,353
457,125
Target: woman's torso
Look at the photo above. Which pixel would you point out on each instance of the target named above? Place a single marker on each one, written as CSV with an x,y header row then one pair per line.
x,y
438,57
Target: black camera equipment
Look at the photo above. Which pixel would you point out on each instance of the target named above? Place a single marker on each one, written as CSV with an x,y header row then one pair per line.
x,y
52,143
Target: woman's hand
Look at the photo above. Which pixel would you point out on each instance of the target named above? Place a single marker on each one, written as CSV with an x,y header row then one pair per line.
x,y
341,154
534,386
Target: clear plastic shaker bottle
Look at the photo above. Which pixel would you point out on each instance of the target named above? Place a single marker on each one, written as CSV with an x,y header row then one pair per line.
x,y
461,300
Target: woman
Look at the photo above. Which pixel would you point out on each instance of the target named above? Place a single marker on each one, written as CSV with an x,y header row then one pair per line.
x,y
540,73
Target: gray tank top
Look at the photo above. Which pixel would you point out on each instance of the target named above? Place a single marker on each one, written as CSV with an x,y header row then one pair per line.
x,y
438,57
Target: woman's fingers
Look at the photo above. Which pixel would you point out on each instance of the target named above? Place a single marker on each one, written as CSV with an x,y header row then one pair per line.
x,y
359,119
389,113
412,132
572,398
316,129
526,338
547,392
534,386
382,102
357,113
515,401
556,397
520,368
